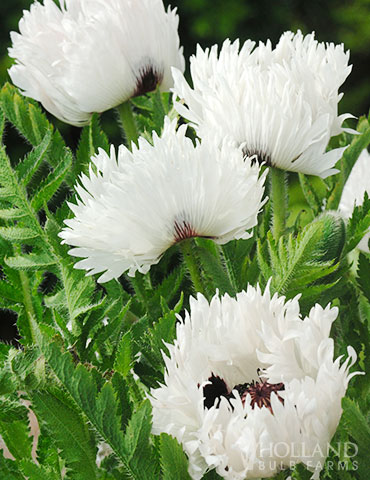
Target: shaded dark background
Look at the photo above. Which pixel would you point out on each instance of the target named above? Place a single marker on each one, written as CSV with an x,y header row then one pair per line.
x,y
211,21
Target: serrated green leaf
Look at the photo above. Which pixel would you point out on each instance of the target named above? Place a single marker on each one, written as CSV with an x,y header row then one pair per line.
x,y
357,426
17,439
350,155
51,184
101,410
9,469
163,332
358,225
70,433
9,292
92,138
27,117
124,357
173,459
33,261
137,442
364,275
38,472
28,167
215,271
2,124
309,193
11,410
11,214
17,234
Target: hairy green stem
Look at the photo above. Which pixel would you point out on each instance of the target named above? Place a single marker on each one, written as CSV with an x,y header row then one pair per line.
x,y
279,197
192,265
128,123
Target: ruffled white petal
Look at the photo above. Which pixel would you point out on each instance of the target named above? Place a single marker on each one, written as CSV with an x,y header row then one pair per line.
x,y
232,339
91,55
280,103
138,204
354,190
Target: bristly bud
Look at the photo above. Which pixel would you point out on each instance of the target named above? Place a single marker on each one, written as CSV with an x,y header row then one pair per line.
x,y
333,236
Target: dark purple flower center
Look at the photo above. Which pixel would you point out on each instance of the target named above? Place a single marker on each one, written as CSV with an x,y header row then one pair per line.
x,y
184,230
147,80
260,392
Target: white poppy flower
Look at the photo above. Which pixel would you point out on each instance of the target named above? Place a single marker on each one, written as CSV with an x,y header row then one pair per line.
x,y
139,204
250,387
92,55
282,103
354,190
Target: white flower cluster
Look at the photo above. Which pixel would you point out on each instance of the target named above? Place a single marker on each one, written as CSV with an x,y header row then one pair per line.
x,y
281,103
250,387
91,55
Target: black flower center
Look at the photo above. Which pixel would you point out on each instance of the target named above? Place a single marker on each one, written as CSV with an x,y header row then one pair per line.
x,y
260,392
147,80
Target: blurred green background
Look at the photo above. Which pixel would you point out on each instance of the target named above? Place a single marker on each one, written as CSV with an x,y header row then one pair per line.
x,y
211,21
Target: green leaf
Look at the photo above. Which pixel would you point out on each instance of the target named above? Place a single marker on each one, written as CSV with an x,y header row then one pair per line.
x,y
357,426
92,138
101,410
28,167
11,410
2,124
9,469
358,225
11,214
163,332
215,271
17,234
173,460
309,193
17,439
69,431
137,443
350,155
31,262
295,264
40,472
10,292
124,358
28,119
51,184
364,275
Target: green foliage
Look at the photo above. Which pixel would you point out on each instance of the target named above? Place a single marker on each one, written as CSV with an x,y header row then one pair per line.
x,y
92,138
364,275
358,224
358,428
69,431
173,460
299,265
